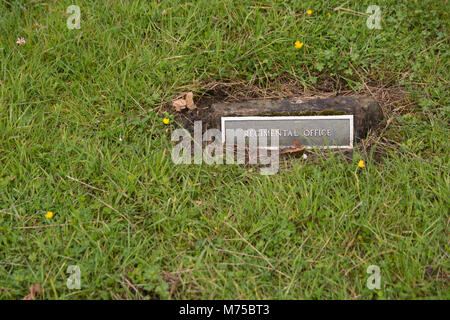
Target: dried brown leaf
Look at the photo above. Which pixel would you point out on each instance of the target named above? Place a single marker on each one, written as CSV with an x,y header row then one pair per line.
x,y
291,150
35,290
179,104
190,101
297,147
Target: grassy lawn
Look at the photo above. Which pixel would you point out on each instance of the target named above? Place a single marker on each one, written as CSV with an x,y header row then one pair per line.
x,y
82,136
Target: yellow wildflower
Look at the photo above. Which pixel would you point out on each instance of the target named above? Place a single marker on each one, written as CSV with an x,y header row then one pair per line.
x,y
298,44
361,164
166,121
49,215
309,12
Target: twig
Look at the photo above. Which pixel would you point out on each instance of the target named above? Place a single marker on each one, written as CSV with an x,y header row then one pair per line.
x,y
43,226
85,184
181,271
364,83
255,265
130,285
239,253
6,212
411,153
351,11
173,287
334,231
139,105
245,240
116,211
262,256
434,45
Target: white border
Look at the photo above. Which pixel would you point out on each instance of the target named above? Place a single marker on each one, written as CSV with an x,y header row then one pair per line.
x,y
330,117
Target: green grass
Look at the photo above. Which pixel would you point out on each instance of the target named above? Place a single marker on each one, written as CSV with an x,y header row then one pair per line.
x,y
219,232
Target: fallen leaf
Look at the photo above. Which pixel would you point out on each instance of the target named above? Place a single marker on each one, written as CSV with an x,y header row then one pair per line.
x,y
190,101
164,12
179,104
297,147
35,290
297,144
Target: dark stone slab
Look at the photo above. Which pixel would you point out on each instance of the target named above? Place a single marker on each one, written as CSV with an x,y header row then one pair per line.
x,y
365,110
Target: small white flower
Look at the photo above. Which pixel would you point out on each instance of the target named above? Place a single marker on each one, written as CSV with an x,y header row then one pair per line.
x,y
121,138
20,41
305,156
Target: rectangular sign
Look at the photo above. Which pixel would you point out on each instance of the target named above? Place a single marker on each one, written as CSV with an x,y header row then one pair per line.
x,y
310,131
